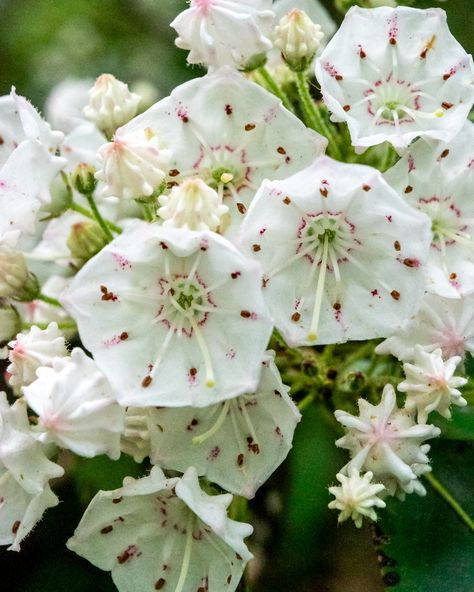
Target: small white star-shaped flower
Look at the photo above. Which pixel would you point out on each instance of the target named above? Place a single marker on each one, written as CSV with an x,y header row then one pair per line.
x,y
408,78
356,497
430,384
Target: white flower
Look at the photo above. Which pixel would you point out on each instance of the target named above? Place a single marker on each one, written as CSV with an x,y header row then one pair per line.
x,y
192,205
442,323
111,104
136,436
225,32
232,134
356,497
298,39
76,407
31,350
65,103
158,534
438,179
24,474
335,265
408,78
237,444
430,384
133,165
173,317
386,441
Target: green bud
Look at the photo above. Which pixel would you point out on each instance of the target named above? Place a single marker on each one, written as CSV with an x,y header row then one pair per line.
x,y
255,62
83,179
10,322
15,280
61,199
85,240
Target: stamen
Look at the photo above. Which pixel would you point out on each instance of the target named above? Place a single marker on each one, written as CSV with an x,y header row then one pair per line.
x,y
183,574
216,427
313,332
210,378
249,423
163,348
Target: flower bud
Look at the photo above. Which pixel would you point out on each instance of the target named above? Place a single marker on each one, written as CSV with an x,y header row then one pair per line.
x,y
85,240
61,198
298,38
83,179
15,279
10,322
111,104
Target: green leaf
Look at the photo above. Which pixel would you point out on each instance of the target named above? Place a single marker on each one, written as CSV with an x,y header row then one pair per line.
x,y
469,365
460,426
425,546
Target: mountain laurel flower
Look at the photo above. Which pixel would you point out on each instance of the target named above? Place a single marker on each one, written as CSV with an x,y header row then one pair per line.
x,y
173,317
386,441
298,39
32,350
356,497
408,78
132,165
238,443
335,264
111,104
24,475
156,533
10,322
225,32
232,134
76,407
430,384
444,323
14,275
438,179
192,205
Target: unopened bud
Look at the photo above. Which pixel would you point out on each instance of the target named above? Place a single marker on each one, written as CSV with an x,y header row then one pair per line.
x,y
83,179
85,240
10,322
111,104
15,279
298,39
61,199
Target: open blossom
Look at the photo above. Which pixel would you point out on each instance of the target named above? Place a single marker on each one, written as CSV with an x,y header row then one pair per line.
x,y
156,533
430,384
237,444
24,475
111,104
232,134
133,165
76,407
192,205
173,317
386,441
31,350
330,240
408,78
438,180
356,497
443,323
225,32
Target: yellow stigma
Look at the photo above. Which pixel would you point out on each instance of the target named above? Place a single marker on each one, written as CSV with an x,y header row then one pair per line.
x,y
210,383
312,337
226,177
439,113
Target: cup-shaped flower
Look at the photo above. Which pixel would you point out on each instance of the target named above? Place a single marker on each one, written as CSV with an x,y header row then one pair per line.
x,y
430,384
438,179
330,240
232,134
386,441
225,32
408,78
24,474
173,317
443,323
32,350
76,407
356,497
157,534
237,443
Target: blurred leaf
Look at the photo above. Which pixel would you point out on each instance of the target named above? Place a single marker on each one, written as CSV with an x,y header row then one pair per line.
x,y
460,427
469,365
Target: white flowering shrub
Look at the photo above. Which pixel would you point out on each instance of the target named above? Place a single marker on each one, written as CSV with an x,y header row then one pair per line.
x,y
181,285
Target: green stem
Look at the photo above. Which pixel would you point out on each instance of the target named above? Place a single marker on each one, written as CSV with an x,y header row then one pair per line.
x,y
305,403
274,87
48,300
449,499
85,212
312,115
98,217
148,211
63,326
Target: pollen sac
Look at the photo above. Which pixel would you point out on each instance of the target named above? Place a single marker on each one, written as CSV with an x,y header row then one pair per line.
x,y
408,78
182,292
330,269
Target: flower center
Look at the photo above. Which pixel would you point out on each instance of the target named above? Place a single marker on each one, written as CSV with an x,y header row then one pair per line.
x,y
447,223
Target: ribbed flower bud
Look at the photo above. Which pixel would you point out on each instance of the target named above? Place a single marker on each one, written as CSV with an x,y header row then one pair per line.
x,y
111,104
85,240
192,205
15,279
83,178
298,39
10,322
